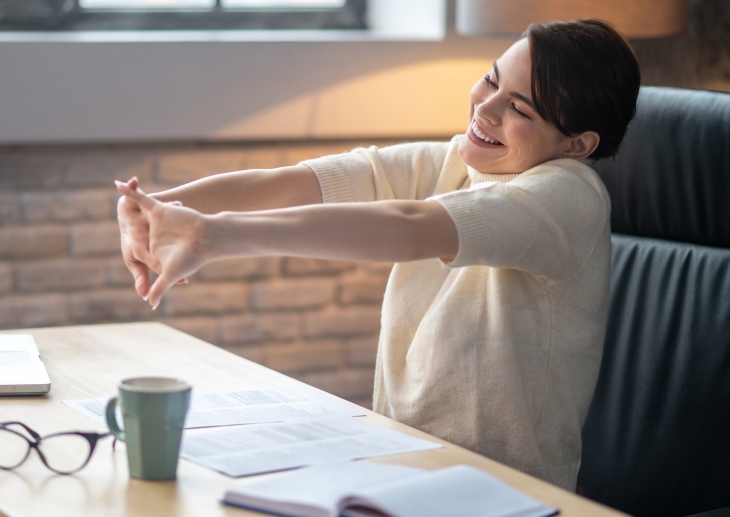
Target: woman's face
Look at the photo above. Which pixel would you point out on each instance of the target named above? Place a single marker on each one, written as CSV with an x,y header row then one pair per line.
x,y
505,134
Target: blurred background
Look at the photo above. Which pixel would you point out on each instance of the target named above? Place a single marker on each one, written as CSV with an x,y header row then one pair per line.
x,y
174,90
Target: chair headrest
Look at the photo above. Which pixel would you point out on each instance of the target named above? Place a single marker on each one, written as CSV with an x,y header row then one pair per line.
x,y
671,177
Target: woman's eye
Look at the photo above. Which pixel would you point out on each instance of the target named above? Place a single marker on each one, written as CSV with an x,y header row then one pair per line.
x,y
514,108
490,82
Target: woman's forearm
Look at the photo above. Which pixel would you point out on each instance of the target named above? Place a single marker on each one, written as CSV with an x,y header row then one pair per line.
x,y
387,231
249,190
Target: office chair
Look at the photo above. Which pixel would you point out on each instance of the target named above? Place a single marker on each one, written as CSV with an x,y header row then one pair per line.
x,y
656,441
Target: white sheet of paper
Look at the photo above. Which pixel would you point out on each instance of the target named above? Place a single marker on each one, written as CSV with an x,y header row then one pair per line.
x,y
242,451
211,408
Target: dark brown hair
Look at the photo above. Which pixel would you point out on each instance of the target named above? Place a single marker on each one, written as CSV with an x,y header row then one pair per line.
x,y
585,77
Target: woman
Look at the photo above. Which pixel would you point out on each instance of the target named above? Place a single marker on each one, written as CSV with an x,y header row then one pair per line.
x,y
494,315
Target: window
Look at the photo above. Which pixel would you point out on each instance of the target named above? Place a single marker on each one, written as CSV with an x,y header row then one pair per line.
x,y
76,15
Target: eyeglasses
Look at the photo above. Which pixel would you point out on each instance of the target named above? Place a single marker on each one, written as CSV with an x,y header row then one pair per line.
x,y
63,453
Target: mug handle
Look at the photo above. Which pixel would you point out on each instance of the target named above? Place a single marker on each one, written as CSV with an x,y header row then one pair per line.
x,y
111,419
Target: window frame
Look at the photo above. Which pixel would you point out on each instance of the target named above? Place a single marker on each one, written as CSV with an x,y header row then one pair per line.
x,y
69,16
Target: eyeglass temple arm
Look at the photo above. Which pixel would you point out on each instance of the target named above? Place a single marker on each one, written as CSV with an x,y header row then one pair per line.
x,y
30,431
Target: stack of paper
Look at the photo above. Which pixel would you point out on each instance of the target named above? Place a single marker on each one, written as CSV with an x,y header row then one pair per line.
x,y
241,451
241,406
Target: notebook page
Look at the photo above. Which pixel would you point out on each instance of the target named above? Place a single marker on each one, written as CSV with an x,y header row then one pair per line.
x,y
459,491
312,491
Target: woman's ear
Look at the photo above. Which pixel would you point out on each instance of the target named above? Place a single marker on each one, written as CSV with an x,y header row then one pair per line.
x,y
581,146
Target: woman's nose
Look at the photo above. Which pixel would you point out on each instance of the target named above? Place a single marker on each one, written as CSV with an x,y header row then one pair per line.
x,y
488,110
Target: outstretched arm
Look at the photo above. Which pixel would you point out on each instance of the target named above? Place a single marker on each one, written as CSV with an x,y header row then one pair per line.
x,y
234,191
249,190
181,240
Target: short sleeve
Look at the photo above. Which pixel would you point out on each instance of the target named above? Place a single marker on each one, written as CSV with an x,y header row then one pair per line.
x,y
405,171
545,222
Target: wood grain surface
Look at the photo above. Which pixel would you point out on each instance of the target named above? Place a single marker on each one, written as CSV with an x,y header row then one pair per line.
x,y
89,361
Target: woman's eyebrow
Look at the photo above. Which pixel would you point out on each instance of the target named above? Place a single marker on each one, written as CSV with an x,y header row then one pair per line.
x,y
514,94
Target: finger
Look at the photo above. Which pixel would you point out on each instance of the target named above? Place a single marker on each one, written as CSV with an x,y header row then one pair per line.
x,y
139,270
159,289
134,185
183,281
141,279
141,199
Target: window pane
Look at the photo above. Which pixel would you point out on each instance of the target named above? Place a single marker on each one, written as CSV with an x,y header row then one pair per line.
x,y
146,4
283,3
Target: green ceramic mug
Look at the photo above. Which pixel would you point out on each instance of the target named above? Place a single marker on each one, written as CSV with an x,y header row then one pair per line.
x,y
153,411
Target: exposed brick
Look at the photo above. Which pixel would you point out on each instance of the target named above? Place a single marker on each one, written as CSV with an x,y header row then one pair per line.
x,y
349,384
19,242
257,354
6,278
205,299
95,239
205,328
294,155
361,351
295,266
35,172
34,311
74,185
10,212
186,166
362,291
314,355
99,168
118,275
366,402
109,305
239,269
349,321
263,158
66,206
379,268
37,206
343,147
260,327
293,294
61,275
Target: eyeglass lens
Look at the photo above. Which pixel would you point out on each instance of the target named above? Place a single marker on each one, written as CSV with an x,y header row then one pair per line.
x,y
62,452
13,449
65,452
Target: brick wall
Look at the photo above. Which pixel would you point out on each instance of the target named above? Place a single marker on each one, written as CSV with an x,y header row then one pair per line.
x,y
60,263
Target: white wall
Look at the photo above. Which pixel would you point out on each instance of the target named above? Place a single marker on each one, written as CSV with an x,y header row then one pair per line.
x,y
100,87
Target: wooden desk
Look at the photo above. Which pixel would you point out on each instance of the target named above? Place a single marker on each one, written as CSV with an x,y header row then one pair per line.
x,y
89,361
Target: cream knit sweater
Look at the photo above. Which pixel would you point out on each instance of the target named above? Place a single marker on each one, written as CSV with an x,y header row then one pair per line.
x,y
497,349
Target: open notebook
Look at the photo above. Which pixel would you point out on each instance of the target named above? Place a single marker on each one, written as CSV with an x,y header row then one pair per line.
x,y
362,489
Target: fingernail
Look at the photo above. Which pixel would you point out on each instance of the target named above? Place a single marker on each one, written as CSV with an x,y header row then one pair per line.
x,y
155,306
146,297
117,182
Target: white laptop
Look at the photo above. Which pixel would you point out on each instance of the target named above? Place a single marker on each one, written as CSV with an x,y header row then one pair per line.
x,y
21,369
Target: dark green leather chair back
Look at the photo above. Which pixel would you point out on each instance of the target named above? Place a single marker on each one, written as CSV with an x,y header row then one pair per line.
x,y
656,441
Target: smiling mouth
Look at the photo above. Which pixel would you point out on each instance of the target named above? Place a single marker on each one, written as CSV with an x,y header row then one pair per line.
x,y
475,130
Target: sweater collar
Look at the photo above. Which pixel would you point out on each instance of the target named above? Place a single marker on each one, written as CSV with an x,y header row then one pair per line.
x,y
478,177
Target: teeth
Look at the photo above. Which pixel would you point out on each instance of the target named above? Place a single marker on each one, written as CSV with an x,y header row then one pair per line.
x,y
481,135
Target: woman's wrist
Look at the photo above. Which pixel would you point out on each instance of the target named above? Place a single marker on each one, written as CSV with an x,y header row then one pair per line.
x,y
223,235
